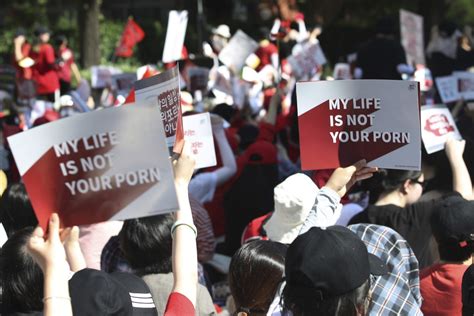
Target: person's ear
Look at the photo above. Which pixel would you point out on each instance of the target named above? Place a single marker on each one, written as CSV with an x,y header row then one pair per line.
x,y
242,314
406,186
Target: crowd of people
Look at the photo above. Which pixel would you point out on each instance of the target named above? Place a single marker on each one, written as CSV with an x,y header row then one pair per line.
x,y
254,235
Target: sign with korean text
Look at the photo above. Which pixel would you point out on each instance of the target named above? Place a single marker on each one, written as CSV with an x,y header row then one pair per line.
x,y
198,131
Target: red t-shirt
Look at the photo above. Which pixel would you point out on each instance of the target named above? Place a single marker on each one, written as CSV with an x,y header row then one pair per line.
x,y
44,72
179,305
265,52
441,289
64,67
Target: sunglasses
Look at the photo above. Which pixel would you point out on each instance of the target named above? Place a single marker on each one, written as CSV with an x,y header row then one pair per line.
x,y
423,184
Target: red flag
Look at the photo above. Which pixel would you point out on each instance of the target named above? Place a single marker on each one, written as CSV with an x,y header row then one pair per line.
x,y
132,34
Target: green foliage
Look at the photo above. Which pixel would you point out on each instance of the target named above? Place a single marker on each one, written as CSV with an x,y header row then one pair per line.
x,y
461,11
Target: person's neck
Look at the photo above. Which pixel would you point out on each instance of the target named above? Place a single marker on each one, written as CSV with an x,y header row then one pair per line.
x,y
394,197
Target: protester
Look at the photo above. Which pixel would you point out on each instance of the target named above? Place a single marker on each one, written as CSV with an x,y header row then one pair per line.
x,y
66,65
398,291
293,200
253,289
382,57
16,211
453,229
44,73
397,206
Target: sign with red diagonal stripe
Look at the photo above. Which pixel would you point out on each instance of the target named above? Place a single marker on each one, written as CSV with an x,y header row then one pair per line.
x,y
341,122
104,165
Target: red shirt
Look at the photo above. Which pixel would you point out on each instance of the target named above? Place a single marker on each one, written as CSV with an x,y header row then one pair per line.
x,y
265,52
44,72
64,67
179,305
441,289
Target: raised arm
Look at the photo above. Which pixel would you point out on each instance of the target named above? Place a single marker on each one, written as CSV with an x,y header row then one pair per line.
x,y
461,178
184,232
49,254
229,166
326,208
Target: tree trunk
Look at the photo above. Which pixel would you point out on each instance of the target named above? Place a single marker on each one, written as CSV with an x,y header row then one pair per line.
x,y
89,11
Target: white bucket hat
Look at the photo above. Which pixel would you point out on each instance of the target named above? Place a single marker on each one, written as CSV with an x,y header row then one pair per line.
x,y
294,198
222,30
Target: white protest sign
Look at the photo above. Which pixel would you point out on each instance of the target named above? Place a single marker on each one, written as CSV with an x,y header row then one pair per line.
x,y
101,76
3,236
342,71
198,131
465,84
448,88
175,33
235,53
304,64
164,91
437,125
343,121
411,31
98,166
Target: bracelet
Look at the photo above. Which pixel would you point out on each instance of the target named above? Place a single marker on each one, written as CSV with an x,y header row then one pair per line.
x,y
182,223
56,297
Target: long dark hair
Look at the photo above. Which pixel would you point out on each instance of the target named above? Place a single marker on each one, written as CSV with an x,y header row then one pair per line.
x,y
349,304
255,271
22,279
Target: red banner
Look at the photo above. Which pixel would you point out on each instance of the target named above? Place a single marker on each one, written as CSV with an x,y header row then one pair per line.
x,y
132,34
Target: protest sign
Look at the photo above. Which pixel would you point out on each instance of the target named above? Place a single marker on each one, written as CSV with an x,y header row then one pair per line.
x,y
448,88
3,236
411,31
101,76
198,131
465,84
342,71
304,64
175,33
437,125
235,53
103,165
343,121
164,91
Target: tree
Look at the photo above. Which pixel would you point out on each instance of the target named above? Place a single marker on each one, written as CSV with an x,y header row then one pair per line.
x,y
89,37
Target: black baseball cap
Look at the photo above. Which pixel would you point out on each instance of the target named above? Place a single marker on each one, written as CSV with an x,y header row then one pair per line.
x,y
453,221
95,292
328,262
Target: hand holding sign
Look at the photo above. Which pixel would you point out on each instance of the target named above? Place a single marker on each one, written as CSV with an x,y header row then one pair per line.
x,y
342,179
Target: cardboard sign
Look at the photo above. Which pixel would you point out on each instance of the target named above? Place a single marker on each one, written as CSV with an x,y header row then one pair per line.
x,y
437,125
411,31
305,63
235,53
164,91
343,121
465,84
448,88
98,166
198,131
101,76
175,33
